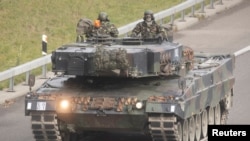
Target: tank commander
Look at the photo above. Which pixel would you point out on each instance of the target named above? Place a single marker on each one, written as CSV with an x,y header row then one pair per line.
x,y
83,29
148,28
102,26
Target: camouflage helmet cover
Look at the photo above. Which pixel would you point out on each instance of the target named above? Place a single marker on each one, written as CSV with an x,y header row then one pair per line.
x,y
148,12
103,16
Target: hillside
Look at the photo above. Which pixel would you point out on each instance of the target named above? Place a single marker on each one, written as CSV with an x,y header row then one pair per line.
x,y
23,22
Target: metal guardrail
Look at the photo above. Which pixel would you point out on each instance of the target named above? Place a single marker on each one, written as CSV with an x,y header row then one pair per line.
x,y
43,61
25,68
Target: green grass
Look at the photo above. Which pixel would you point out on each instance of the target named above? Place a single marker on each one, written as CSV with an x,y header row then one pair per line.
x,y
23,22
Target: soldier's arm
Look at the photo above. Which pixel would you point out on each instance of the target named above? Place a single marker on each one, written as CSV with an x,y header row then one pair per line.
x,y
114,31
162,31
136,30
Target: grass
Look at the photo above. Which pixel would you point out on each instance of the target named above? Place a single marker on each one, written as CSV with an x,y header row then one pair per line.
x,y
23,22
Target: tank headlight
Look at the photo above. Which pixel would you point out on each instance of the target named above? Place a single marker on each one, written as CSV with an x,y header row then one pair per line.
x,y
139,105
64,104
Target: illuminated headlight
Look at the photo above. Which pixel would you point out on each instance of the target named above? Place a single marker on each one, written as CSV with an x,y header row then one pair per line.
x,y
64,104
139,105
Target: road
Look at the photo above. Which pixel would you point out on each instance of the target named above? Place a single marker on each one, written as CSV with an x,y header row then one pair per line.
x,y
226,32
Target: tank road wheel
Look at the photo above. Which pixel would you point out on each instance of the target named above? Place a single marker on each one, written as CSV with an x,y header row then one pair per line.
x,y
180,133
224,116
191,129
217,114
204,123
197,127
211,116
185,130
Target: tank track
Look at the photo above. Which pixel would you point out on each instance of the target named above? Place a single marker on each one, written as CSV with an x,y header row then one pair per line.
x,y
45,126
164,128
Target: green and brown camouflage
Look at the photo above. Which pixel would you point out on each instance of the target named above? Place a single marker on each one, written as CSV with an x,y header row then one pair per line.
x,y
105,60
85,28
149,28
152,30
164,106
106,28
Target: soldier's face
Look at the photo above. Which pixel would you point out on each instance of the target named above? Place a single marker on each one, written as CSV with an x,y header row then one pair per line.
x,y
148,18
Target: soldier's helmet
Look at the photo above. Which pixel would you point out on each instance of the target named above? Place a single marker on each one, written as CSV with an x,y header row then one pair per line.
x,y
148,12
103,16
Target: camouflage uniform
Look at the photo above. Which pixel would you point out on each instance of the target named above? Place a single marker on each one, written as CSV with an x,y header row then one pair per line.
x,y
83,29
149,29
106,28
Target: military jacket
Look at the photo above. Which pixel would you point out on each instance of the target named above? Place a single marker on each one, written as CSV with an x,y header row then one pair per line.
x,y
106,28
148,31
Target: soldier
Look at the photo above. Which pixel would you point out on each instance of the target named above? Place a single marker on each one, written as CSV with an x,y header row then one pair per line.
x,y
102,26
149,28
83,29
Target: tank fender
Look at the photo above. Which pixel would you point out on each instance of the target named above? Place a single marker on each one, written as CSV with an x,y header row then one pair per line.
x,y
170,108
39,105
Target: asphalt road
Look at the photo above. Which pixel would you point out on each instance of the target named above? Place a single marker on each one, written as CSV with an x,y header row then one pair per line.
x,y
227,32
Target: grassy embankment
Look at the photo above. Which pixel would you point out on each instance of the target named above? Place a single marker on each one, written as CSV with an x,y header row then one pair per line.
x,y
23,22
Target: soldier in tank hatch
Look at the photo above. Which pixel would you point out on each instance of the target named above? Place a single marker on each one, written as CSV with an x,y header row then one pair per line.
x,y
102,26
148,28
83,29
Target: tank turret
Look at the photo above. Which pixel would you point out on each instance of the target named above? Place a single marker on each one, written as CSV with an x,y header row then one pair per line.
x,y
126,57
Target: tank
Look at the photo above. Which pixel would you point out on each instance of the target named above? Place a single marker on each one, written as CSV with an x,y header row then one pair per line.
x,y
152,87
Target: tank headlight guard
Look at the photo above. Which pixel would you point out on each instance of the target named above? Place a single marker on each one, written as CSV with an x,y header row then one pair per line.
x,y
139,105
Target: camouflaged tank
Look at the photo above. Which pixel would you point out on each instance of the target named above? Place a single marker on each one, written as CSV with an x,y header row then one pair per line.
x,y
158,88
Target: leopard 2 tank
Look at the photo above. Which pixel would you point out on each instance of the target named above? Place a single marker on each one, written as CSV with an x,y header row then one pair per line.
x,y
161,89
